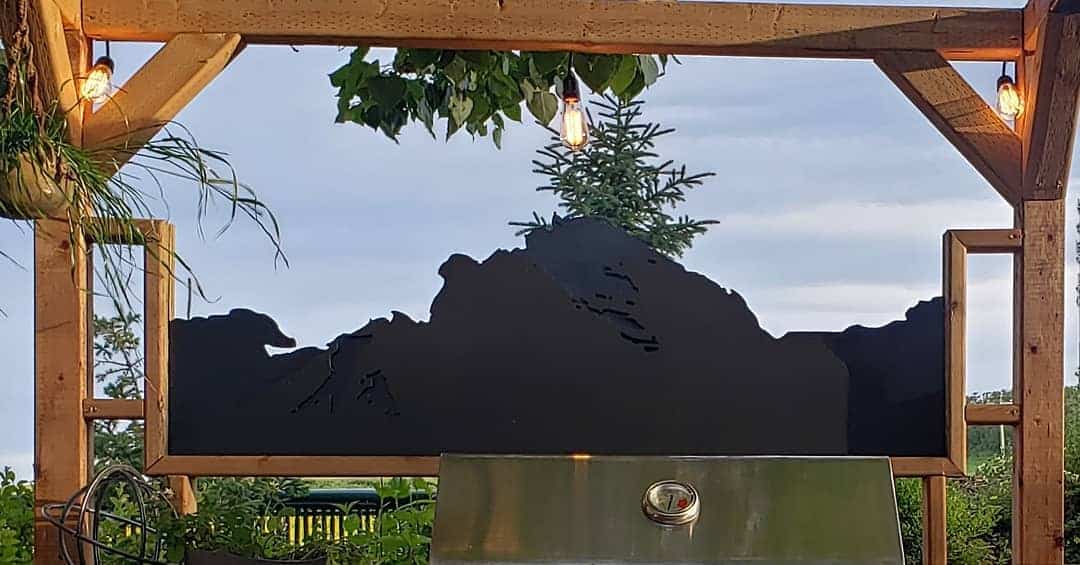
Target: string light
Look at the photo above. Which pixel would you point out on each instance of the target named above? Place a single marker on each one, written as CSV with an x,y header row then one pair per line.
x,y
1010,105
574,129
98,83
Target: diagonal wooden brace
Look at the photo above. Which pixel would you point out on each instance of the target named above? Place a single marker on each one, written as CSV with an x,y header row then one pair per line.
x,y
960,114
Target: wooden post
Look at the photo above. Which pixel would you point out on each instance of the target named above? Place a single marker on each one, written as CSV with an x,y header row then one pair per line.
x,y
61,333
934,547
1038,495
183,494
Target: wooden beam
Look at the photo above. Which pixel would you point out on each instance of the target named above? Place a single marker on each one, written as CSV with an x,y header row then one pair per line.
x,y
935,539
130,232
613,26
112,409
70,13
1038,387
182,494
992,414
157,93
288,465
61,342
989,241
1053,94
344,466
960,114
925,467
954,294
56,82
158,285
934,533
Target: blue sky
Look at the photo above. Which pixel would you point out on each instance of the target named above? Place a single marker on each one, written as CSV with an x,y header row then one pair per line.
x,y
832,193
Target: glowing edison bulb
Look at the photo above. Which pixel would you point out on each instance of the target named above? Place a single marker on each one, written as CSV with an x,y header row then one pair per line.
x,y
574,129
1009,105
98,83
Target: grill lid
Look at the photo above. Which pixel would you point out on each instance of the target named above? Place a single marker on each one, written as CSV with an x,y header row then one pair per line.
x,y
606,509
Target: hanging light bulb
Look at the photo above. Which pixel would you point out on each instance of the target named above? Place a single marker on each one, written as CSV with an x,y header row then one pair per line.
x,y
574,129
97,86
1010,105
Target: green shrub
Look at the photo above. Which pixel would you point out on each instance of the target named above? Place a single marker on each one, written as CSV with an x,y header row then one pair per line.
x,y
16,519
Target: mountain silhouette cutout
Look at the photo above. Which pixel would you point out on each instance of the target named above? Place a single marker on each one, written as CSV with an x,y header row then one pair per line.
x,y
584,341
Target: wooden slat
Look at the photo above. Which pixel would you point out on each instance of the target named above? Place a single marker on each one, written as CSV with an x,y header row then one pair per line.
x,y
308,466
925,467
112,409
1038,495
954,293
935,540
130,232
992,414
157,93
332,466
61,338
158,284
987,241
685,27
960,114
1052,99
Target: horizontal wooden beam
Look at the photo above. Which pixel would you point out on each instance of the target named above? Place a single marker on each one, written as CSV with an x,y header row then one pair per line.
x,y
960,114
992,414
989,241
335,466
112,409
130,232
612,26
157,93
295,466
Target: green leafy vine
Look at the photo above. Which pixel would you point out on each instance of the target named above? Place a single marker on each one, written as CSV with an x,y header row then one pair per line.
x,y
478,91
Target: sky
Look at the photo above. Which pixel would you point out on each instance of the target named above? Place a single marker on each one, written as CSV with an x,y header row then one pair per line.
x,y
832,192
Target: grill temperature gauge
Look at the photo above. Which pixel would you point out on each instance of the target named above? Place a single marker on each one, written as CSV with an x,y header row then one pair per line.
x,y
670,503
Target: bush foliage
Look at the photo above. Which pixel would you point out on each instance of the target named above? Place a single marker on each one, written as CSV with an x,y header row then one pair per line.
x,y
16,518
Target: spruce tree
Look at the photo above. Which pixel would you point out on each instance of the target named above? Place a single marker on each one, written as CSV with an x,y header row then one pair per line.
x,y
618,177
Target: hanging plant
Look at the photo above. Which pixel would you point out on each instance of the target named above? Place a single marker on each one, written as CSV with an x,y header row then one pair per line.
x,y
44,175
477,91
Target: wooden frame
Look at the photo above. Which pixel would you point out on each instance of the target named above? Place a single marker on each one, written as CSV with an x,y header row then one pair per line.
x,y
957,244
910,44
608,26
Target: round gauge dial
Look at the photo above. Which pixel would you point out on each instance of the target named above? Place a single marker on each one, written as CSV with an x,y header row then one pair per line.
x,y
671,503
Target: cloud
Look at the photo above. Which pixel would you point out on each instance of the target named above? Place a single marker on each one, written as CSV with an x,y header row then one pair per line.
x,y
873,220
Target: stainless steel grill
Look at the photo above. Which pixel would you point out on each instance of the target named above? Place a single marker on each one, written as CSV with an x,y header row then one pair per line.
x,y
601,509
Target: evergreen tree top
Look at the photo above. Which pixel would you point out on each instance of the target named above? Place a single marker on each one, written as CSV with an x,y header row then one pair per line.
x,y
620,178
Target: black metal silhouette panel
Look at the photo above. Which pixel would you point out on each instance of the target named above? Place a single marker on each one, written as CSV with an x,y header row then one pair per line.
x,y
585,341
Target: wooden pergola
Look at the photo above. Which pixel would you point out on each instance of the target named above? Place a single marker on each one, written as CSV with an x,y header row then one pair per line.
x,y
1028,166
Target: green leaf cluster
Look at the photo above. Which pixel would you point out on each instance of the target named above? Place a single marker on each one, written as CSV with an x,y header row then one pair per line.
x,y
16,519
246,517
401,531
478,91
620,178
